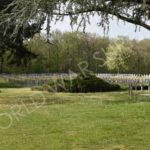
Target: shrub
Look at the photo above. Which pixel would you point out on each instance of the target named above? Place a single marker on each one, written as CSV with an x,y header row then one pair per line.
x,y
90,83
81,84
8,85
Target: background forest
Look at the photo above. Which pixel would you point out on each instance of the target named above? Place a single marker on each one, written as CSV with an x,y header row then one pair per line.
x,y
68,50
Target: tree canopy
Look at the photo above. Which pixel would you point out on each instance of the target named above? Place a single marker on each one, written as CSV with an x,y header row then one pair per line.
x,y
13,42
22,11
22,19
119,57
76,50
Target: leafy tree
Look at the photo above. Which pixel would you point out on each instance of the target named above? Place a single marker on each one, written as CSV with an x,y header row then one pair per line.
x,y
22,11
68,50
119,57
14,41
21,19
142,61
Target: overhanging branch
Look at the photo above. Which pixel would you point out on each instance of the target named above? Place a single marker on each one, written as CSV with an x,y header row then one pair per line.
x,y
103,10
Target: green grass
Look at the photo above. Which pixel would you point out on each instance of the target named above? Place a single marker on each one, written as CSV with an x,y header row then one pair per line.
x,y
98,121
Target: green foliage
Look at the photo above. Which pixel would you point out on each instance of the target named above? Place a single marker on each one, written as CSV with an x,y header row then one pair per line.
x,y
78,11
26,17
90,83
14,43
68,50
6,84
81,84
119,57
75,51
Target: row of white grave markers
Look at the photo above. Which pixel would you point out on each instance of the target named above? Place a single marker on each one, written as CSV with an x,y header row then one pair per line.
x,y
132,80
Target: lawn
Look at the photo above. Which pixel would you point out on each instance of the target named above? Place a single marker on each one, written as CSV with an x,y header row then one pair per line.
x,y
65,121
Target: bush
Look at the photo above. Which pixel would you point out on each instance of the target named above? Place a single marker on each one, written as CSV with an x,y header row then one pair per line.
x,y
81,84
8,85
90,83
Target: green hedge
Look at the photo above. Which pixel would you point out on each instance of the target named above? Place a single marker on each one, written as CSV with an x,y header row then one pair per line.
x,y
81,84
8,85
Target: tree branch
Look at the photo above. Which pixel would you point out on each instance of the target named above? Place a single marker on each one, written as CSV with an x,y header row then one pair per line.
x,y
118,15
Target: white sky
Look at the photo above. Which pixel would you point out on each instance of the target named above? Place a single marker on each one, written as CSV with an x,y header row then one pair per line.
x,y
116,28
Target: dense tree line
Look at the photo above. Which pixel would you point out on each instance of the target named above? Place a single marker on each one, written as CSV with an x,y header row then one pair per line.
x,y
75,50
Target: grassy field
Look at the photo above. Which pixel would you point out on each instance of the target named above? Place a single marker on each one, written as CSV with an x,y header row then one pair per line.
x,y
50,121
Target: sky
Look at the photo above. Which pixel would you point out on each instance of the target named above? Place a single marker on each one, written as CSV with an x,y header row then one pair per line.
x,y
116,28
